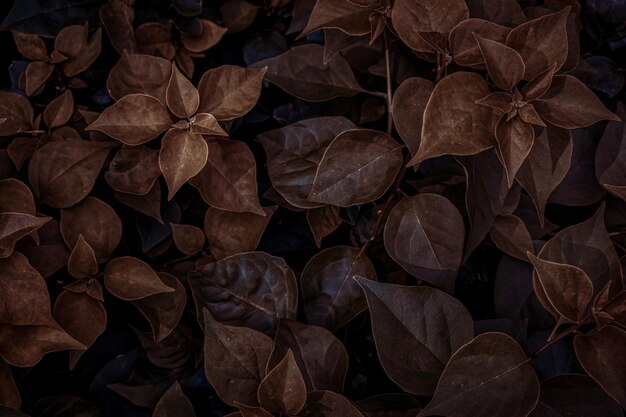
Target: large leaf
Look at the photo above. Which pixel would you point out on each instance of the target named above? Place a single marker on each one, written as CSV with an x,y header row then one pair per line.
x,y
250,289
425,234
416,330
137,73
357,167
488,377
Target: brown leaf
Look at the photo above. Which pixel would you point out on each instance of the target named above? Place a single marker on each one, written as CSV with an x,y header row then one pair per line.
x,y
414,347
323,221
228,92
323,364
228,180
21,200
206,124
611,156
174,403
540,42
20,149
37,75
131,279
488,377
238,15
357,167
182,97
230,233
505,66
328,404
248,411
600,353
154,38
294,152
250,289
210,36
463,46
50,254
570,104
331,298
302,73
453,123
97,222
283,390
81,51
82,261
136,73
511,236
409,104
117,18
14,226
562,288
515,140
60,110
183,155
503,12
424,234
31,46
148,204
234,360
134,119
344,15
9,395
82,317
133,170
164,310
410,17
188,239
17,112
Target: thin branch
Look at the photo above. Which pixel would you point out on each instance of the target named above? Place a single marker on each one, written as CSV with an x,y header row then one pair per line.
x,y
548,344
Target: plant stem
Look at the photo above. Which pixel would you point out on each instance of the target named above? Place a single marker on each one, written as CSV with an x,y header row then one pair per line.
x,y
389,84
551,342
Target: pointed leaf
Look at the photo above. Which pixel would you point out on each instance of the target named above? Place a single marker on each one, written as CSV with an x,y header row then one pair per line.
x,y
515,140
82,261
344,15
504,64
14,226
210,36
174,403
36,76
283,390
182,97
511,236
610,160
188,239
131,279
183,155
206,124
463,46
60,110
21,201
31,46
136,73
81,51
322,222
409,104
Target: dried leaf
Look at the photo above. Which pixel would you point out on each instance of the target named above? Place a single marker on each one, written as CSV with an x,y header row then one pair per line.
x,y
250,289
409,104
133,170
131,279
489,376
182,97
283,390
234,360
228,92
183,155
82,261
331,298
453,123
188,239
357,167
302,73
17,112
134,119
174,403
322,222
136,73
414,347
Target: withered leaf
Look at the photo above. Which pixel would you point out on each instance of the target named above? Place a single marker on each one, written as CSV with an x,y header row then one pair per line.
x,y
183,155
410,17
328,404
230,233
489,376
82,262
234,360
600,353
416,330
505,66
97,222
133,170
210,36
80,50
182,97
60,110
453,123
17,112
463,46
134,119
31,46
250,289
302,73
323,221
561,288
131,279
357,167
174,403
294,152
344,15
164,310
425,234
36,76
331,297
137,73
82,317
228,180
540,42
188,239
14,226
409,104
321,357
283,391
228,92
510,235
62,173
570,104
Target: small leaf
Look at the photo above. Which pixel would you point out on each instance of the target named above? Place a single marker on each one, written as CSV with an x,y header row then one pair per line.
x,y
515,140
60,110
133,170
14,226
137,73
210,36
283,390
31,46
206,124
183,155
505,66
611,154
488,377
188,239
416,330
510,235
463,46
131,279
182,97
17,112
322,222
81,51
37,75
409,104
174,404
117,18
21,200
344,15
424,234
82,261
133,120
357,167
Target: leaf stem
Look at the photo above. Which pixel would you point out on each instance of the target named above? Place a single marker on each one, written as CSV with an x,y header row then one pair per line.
x,y
388,74
551,342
